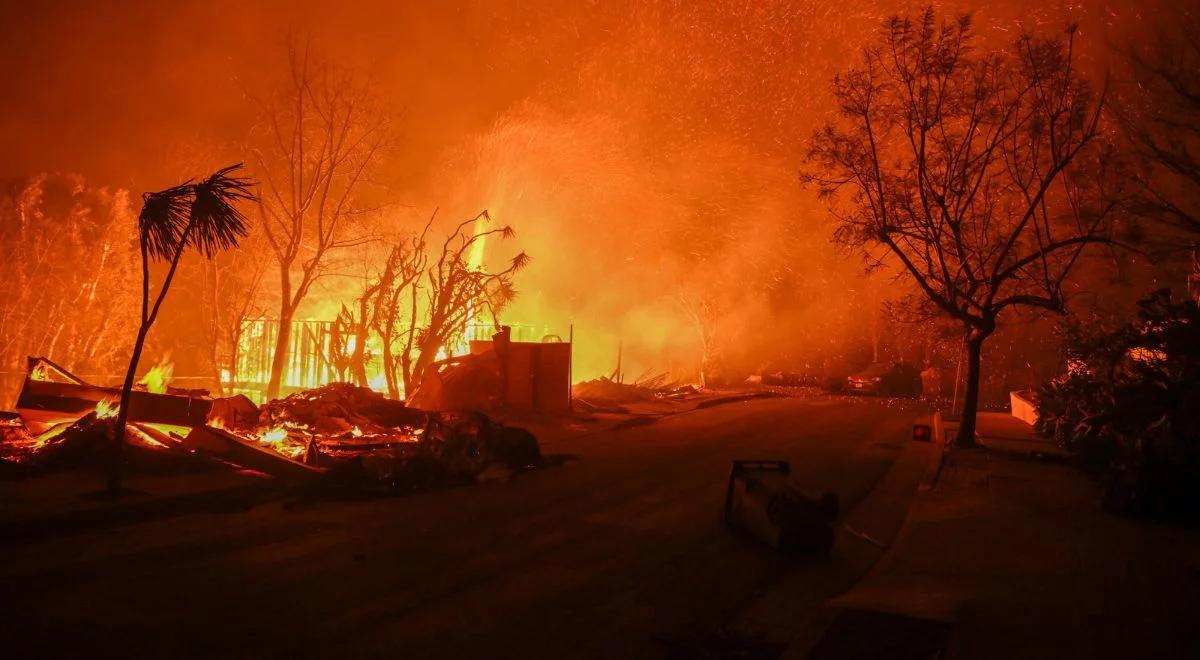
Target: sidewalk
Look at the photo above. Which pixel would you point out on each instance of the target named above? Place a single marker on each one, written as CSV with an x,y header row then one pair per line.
x,y
1011,556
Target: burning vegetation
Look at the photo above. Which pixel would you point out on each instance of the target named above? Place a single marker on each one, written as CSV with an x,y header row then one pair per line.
x,y
626,200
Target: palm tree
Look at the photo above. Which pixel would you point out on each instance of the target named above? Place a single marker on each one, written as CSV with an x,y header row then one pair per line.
x,y
200,214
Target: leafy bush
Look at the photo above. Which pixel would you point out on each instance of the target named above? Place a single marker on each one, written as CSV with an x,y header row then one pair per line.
x,y
1129,407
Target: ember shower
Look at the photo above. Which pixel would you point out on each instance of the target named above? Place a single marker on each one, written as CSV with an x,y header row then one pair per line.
x,y
644,153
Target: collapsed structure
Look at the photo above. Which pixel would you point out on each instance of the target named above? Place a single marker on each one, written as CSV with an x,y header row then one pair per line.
x,y
338,433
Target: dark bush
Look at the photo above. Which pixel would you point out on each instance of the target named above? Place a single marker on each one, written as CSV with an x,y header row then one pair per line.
x,y
1129,407
903,379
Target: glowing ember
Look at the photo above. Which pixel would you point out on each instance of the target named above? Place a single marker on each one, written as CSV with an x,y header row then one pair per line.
x,y
107,409
40,372
279,439
274,436
159,376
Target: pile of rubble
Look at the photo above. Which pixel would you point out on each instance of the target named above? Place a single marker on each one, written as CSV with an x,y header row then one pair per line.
x,y
607,391
338,434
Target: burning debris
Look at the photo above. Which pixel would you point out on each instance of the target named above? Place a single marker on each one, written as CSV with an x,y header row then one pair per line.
x,y
605,391
352,437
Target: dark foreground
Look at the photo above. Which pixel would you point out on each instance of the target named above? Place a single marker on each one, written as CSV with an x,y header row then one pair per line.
x,y
617,554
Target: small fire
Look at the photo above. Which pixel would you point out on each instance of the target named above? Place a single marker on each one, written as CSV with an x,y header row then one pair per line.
x,y
275,436
280,440
159,376
107,409
356,432
40,373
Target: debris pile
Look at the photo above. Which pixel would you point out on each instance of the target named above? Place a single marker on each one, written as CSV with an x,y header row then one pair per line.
x,y
607,391
464,382
338,434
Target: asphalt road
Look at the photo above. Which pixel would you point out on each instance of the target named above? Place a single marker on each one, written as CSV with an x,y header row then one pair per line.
x,y
617,554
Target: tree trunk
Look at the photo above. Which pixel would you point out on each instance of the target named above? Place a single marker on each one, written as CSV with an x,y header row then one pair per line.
x,y
966,428
283,340
389,372
426,355
148,318
358,358
114,474
235,342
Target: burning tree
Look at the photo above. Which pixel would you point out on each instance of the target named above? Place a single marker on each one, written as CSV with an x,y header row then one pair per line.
x,y
319,139
458,288
980,172
203,215
67,247
423,303
391,306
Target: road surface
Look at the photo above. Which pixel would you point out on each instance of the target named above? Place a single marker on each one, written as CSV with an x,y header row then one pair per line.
x,y
617,554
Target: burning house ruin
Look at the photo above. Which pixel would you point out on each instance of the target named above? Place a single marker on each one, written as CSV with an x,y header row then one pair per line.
x,y
338,433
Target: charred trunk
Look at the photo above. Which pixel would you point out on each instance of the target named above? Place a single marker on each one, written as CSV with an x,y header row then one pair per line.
x,y
966,428
389,371
118,448
283,340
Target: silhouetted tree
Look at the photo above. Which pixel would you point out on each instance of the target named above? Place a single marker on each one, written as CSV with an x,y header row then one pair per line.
x,y
202,215
393,306
455,291
230,288
980,172
316,145
1159,116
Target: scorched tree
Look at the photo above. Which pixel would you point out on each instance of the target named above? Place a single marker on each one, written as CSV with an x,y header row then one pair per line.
x,y
202,215
981,174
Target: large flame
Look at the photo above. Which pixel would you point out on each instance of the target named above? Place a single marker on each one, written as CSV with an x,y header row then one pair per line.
x,y
158,378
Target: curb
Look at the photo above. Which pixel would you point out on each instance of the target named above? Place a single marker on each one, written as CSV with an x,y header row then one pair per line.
x,y
929,481
814,630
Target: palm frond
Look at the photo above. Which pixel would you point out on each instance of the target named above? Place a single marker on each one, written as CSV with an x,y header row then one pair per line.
x,y
217,223
163,218
520,261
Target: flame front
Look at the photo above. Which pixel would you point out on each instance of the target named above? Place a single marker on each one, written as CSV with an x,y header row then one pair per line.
x,y
158,378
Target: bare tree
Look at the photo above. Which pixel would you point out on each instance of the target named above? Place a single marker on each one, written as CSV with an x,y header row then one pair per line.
x,y
704,311
1159,117
231,289
316,145
980,172
393,306
453,291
